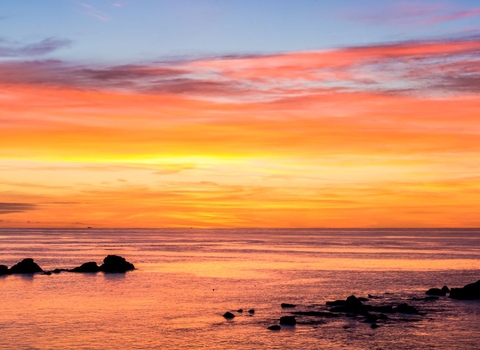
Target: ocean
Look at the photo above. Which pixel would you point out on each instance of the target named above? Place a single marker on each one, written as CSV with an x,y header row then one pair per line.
x,y
186,279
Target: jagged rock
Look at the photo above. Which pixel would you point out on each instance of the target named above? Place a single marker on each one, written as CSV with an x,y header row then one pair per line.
x,y
274,327
469,292
4,270
251,311
287,305
240,310
228,315
116,264
446,289
86,267
26,266
436,292
406,309
353,303
288,320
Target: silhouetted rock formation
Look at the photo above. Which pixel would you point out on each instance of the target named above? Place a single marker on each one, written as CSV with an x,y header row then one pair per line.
x,y
116,264
288,320
469,292
287,305
87,267
251,311
26,266
446,289
228,315
4,270
436,292
240,311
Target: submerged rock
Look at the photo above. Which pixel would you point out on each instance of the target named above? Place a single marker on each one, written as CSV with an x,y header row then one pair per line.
x,y
251,311
87,267
469,292
116,264
228,315
288,320
26,266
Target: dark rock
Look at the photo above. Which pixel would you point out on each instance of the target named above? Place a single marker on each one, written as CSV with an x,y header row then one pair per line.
x,y
228,315
353,303
116,264
57,270
274,327
287,305
47,273
362,299
87,267
446,289
288,320
26,266
469,292
374,325
4,270
436,291
251,311
240,310
406,309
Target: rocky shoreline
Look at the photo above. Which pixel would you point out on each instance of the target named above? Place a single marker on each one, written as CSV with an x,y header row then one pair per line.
x,y
374,310
111,264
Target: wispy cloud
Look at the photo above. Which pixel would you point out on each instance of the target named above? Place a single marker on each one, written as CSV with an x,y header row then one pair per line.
x,y
409,12
48,45
456,15
419,67
91,11
9,208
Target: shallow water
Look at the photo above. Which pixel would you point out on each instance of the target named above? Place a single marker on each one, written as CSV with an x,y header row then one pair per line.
x,y
186,279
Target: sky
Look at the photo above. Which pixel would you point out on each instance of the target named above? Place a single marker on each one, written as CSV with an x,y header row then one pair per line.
x,y
239,113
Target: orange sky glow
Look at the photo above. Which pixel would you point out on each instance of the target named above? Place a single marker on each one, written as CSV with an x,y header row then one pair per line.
x,y
373,136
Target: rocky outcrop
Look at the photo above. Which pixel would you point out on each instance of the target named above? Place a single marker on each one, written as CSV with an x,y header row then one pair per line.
x,y
469,292
116,264
4,270
87,267
26,266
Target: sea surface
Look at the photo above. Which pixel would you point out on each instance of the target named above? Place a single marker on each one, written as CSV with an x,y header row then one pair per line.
x,y
186,279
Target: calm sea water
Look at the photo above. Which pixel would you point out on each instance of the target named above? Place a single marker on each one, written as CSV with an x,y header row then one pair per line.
x,y
186,279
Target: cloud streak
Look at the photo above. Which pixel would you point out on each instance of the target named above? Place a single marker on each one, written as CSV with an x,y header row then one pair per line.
x,y
10,208
46,46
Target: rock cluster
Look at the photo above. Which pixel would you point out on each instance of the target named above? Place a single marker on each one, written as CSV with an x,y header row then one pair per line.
x,y
111,264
